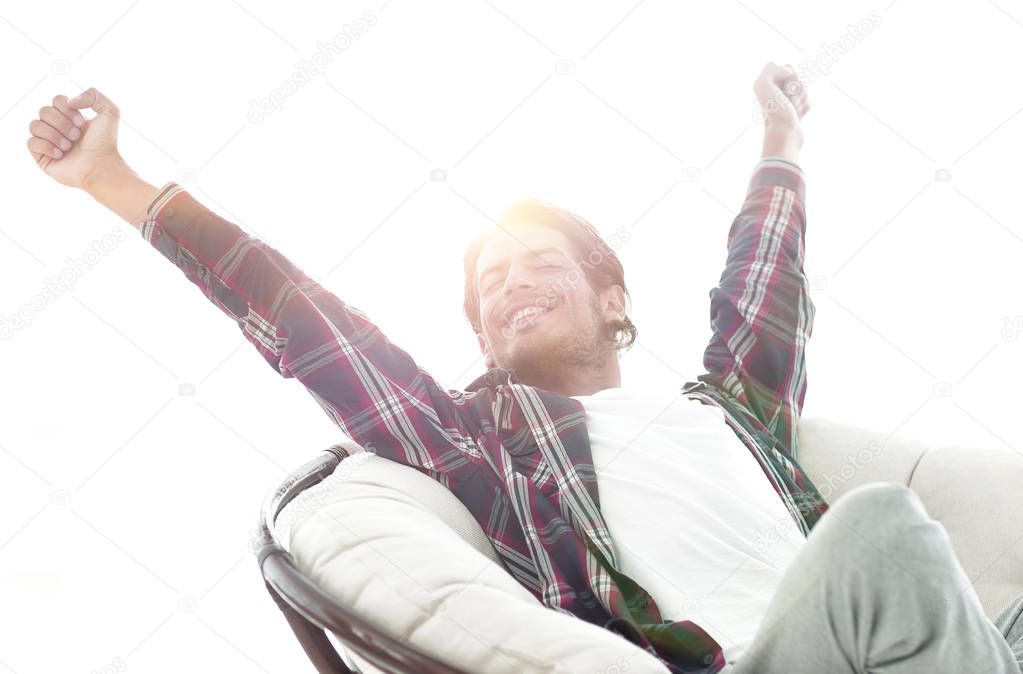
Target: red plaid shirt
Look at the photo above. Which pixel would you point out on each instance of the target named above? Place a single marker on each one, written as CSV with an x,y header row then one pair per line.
x,y
517,456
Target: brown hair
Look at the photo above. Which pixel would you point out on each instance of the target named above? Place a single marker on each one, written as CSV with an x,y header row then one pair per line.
x,y
600,264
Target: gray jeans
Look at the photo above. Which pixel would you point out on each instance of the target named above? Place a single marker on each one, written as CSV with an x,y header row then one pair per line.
x,y
877,588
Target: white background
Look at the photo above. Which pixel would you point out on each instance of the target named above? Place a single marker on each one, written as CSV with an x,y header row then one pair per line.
x,y
127,506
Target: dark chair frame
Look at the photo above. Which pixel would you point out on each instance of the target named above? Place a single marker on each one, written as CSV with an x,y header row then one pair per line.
x,y
310,611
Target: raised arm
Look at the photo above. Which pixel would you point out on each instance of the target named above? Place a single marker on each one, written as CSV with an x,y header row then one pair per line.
x,y
371,388
761,312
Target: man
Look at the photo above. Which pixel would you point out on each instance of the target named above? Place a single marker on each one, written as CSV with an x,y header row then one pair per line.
x,y
683,492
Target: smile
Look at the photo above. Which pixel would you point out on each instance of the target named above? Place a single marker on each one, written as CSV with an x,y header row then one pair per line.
x,y
526,317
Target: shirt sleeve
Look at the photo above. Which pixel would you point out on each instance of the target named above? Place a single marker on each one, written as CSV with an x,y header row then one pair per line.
x,y
761,312
372,389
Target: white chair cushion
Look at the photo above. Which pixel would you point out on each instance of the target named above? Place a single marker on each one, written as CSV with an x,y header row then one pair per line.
x,y
977,495
396,546
840,457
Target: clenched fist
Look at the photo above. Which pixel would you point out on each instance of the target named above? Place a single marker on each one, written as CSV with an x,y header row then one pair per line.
x,y
783,100
82,153
70,148
781,94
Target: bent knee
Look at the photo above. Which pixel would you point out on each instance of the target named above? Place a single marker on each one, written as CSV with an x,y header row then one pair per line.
x,y
879,501
875,515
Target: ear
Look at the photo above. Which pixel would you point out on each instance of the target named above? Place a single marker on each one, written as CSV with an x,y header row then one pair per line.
x,y
613,300
488,358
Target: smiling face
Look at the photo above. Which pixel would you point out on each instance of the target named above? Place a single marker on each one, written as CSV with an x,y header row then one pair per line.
x,y
538,313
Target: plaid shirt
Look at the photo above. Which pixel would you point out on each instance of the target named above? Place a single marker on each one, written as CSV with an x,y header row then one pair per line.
x,y
517,456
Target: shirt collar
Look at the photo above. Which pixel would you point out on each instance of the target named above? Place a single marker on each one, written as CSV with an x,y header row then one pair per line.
x,y
493,377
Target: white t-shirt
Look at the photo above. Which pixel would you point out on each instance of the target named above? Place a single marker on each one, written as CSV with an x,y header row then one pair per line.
x,y
694,519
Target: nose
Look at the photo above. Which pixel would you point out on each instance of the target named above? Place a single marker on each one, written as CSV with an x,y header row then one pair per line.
x,y
519,276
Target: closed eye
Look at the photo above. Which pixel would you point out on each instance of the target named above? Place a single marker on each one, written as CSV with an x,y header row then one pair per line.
x,y
497,282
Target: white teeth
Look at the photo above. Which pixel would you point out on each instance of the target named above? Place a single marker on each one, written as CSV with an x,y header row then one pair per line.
x,y
528,312
523,313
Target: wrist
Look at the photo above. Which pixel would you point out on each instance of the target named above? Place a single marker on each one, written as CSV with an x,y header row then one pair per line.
x,y
113,184
783,141
105,175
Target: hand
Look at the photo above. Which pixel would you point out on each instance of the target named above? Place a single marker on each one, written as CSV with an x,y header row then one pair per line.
x,y
71,149
784,102
782,96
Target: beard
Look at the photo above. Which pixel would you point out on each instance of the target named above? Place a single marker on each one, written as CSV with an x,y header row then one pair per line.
x,y
539,358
